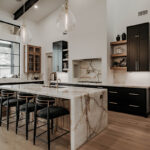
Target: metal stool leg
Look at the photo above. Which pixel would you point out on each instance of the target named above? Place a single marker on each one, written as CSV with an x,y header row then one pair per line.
x,y
1,111
17,117
35,124
27,125
48,128
8,113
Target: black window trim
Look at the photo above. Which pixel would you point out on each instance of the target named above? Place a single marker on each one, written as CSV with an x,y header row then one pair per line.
x,y
19,51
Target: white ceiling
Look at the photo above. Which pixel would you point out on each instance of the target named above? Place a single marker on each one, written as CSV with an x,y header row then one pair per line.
x,y
46,7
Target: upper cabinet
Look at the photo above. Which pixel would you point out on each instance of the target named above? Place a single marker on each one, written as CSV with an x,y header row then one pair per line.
x,y
32,59
60,56
138,49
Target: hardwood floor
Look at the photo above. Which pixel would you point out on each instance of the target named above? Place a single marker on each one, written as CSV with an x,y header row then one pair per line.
x,y
125,132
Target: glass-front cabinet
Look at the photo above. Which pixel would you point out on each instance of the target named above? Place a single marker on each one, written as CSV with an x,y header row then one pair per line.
x,y
32,59
37,59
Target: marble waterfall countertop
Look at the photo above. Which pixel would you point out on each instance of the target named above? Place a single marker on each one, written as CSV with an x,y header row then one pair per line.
x,y
88,109
128,85
17,81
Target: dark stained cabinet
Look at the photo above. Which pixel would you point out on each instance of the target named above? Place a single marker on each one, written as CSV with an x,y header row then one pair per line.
x,y
60,56
129,100
138,55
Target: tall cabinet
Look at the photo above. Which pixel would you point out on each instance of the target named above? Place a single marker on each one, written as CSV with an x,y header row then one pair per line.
x,y
138,58
60,56
32,59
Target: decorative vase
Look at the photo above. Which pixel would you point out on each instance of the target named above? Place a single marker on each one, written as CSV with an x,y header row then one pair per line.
x,y
118,38
124,36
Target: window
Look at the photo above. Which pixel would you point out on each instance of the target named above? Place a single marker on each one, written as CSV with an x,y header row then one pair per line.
x,y
9,59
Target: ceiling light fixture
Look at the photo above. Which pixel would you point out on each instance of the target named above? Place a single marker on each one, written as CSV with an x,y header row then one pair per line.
x,y
36,6
66,21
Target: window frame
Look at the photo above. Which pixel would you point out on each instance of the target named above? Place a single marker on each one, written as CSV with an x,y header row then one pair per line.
x,y
19,51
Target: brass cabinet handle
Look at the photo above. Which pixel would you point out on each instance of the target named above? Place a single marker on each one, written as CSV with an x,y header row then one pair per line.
x,y
134,94
113,103
113,92
135,106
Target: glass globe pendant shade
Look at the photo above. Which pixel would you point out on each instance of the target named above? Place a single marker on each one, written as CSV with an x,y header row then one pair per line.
x,y
66,20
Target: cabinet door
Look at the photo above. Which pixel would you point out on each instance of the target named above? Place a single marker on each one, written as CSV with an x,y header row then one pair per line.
x,y
115,99
57,57
30,59
137,101
133,48
144,48
37,57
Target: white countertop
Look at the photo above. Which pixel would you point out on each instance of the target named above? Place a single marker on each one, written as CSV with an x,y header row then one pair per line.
x,y
111,84
65,92
15,80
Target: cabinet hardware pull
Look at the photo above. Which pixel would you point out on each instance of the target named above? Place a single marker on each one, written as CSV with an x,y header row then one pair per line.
x,y
134,106
134,94
113,103
113,92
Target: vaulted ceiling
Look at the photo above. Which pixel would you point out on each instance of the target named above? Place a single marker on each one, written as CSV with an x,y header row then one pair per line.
x,y
45,8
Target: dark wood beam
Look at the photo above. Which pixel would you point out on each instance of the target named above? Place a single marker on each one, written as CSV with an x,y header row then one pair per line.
x,y
24,8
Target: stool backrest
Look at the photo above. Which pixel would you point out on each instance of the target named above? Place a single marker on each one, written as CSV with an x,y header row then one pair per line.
x,y
45,101
7,93
26,96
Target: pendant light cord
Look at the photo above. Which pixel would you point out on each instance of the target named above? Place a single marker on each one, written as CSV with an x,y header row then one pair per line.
x,y
66,5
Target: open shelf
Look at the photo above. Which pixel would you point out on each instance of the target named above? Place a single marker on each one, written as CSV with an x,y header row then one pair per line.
x,y
118,43
119,55
119,68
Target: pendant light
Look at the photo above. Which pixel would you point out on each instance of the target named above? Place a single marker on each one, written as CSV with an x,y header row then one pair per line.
x,y
66,21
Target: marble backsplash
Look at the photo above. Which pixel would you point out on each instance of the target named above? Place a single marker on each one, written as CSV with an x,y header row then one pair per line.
x,y
136,78
87,70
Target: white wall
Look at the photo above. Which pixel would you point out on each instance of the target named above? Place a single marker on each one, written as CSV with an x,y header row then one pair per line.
x,y
88,40
32,28
123,13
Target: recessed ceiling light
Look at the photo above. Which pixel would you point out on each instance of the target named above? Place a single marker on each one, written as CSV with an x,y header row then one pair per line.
x,y
36,6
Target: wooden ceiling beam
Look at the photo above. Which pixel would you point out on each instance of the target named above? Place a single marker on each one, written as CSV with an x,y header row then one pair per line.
x,y
28,4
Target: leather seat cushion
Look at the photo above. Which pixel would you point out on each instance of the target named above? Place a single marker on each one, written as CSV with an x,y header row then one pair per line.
x,y
54,112
31,107
4,98
13,102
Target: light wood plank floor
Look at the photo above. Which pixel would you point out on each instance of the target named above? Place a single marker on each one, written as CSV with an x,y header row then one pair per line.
x,y
125,132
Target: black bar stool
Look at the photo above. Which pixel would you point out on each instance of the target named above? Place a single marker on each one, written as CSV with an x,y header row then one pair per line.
x,y
4,97
28,108
10,102
49,113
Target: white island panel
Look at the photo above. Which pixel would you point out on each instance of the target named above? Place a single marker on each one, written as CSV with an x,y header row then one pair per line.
x,y
88,109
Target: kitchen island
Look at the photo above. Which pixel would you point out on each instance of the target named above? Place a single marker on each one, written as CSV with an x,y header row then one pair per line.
x,y
88,109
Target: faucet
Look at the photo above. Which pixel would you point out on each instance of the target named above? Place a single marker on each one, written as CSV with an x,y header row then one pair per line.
x,y
50,79
57,83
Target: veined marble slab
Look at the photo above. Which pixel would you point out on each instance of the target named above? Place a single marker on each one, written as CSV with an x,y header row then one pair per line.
x,y
4,81
88,109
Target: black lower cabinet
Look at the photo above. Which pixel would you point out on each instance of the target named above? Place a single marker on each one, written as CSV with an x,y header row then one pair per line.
x,y
128,100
